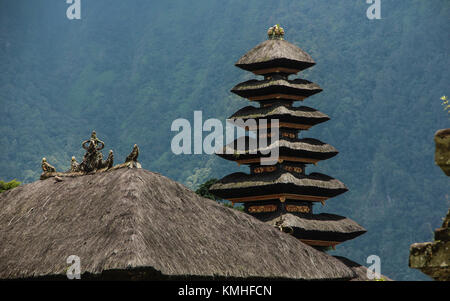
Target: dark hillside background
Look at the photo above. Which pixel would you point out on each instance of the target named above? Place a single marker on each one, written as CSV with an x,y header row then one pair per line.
x,y
129,68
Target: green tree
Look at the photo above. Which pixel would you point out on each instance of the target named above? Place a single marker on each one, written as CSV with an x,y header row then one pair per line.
x,y
203,190
8,185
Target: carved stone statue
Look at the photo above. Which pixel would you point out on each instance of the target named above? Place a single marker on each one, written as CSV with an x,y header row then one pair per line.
x,y
92,159
110,160
74,165
133,155
47,167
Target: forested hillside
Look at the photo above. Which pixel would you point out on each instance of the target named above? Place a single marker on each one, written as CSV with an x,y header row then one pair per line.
x,y
129,68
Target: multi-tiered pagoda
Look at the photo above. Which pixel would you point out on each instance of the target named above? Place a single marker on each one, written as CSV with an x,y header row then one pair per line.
x,y
283,194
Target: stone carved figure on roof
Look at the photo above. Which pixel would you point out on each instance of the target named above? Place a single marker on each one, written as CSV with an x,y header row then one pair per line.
x,y
110,160
74,165
47,167
92,159
133,155
275,32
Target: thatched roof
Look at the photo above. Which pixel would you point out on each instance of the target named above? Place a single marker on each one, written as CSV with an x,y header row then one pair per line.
x,y
306,148
323,227
275,53
297,87
133,220
360,270
293,115
241,185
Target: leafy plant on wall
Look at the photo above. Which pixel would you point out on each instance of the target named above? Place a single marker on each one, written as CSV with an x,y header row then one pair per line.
x,y
445,104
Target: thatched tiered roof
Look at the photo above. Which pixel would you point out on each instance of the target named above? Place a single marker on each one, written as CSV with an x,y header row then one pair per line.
x,y
323,227
289,117
241,187
306,150
277,158
279,55
297,89
135,224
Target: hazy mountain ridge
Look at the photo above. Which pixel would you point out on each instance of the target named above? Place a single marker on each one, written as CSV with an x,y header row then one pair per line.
x,y
128,70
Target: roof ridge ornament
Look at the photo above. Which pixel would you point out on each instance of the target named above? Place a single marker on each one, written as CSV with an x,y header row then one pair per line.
x,y
275,32
92,161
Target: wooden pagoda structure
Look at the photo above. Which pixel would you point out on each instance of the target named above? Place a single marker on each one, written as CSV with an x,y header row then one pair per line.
x,y
283,194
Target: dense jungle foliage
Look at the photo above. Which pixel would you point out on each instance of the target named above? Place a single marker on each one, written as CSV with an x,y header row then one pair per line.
x,y
129,68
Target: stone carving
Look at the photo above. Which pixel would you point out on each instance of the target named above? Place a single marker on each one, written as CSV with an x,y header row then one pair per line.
x,y
133,155
92,160
47,167
110,160
275,32
74,165
442,153
131,160
433,258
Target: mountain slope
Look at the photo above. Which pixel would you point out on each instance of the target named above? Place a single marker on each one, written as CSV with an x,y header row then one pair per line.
x,y
128,70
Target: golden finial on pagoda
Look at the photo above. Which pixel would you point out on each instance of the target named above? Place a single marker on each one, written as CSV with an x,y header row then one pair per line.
x,y
275,32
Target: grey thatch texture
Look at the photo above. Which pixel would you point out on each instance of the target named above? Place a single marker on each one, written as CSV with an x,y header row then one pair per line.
x,y
360,270
241,146
273,50
296,87
134,219
320,222
281,111
242,180
324,226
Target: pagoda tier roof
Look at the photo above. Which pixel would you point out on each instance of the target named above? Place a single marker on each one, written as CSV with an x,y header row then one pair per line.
x,y
306,150
317,229
289,117
274,56
241,187
269,89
